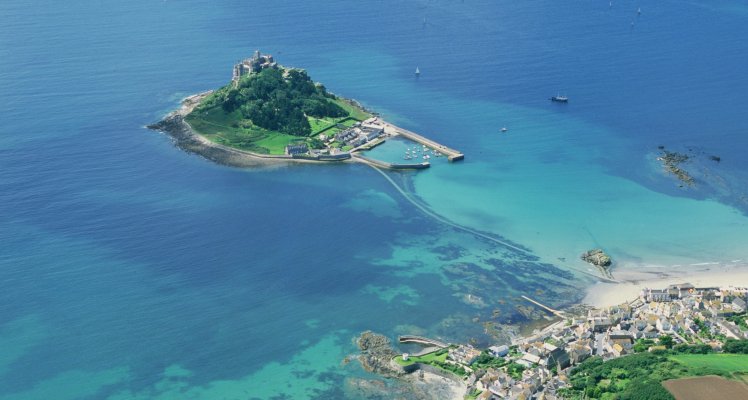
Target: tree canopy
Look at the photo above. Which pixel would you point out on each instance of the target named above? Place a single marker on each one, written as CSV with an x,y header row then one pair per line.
x,y
278,100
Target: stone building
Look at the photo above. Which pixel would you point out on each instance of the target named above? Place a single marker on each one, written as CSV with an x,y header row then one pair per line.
x,y
256,63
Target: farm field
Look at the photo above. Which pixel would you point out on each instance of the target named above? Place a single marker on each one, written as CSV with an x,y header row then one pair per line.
x,y
706,387
729,363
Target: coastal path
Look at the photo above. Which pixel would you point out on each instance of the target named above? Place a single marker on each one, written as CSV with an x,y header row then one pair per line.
x,y
552,311
447,222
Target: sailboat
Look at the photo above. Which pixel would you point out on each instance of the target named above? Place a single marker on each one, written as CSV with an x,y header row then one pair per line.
x,y
418,72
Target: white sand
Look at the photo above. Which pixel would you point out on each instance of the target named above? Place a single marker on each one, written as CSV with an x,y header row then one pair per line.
x,y
635,279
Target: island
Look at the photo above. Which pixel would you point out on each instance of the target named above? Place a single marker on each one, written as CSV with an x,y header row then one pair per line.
x,y
272,113
599,259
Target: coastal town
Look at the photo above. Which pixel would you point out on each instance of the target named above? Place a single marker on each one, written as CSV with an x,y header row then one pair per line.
x,y
539,366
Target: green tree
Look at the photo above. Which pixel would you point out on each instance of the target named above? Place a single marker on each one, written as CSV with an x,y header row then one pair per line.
x,y
735,346
666,340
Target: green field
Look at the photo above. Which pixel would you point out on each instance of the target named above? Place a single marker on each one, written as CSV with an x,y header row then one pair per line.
x,y
436,359
229,129
271,109
320,125
639,376
277,142
355,112
329,126
728,363
425,359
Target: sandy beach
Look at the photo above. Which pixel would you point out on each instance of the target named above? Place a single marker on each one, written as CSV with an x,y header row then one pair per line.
x,y
443,388
634,279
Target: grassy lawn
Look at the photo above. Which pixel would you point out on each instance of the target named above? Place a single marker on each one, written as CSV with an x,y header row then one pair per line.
x,y
425,359
332,131
215,121
320,124
729,363
640,376
436,359
226,129
329,126
277,142
353,111
230,129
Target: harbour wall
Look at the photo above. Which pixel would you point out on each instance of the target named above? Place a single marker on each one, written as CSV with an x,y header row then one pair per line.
x,y
386,165
452,154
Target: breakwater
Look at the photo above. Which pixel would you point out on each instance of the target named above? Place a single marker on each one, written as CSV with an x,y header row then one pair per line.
x,y
386,165
422,340
452,154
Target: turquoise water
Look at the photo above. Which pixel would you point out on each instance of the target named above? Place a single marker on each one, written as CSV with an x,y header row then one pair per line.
x,y
399,150
132,270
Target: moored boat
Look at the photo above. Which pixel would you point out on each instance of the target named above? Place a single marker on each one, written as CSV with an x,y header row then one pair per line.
x,y
560,99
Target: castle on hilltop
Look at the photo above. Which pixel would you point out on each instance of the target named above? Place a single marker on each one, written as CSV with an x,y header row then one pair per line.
x,y
255,63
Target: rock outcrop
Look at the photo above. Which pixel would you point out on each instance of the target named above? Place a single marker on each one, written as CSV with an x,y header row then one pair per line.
x,y
672,162
598,258
377,354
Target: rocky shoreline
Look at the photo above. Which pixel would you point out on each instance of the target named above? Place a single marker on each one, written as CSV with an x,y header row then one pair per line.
x,y
376,354
188,140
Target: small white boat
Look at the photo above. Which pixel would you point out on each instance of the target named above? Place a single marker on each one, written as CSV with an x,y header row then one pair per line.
x,y
563,99
418,72
504,129
639,10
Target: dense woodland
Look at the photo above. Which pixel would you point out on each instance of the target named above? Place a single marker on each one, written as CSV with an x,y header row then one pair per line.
x,y
277,101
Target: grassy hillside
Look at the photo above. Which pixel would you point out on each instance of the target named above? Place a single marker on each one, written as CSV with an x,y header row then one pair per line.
x,y
726,363
273,108
640,376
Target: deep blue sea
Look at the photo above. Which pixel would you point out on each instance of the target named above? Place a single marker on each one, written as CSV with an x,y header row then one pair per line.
x,y
130,269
